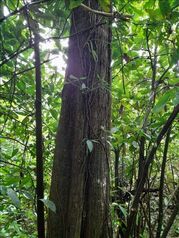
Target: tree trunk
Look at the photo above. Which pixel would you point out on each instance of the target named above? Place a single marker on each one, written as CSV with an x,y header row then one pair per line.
x,y
80,177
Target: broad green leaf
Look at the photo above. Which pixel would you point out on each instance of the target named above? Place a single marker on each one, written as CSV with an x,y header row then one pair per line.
x,y
155,15
49,204
162,101
54,113
164,7
15,151
11,4
174,3
175,56
137,10
123,210
149,4
176,99
12,180
13,196
21,85
89,145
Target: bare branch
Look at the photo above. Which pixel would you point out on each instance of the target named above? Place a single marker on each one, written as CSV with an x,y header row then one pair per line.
x,y
107,14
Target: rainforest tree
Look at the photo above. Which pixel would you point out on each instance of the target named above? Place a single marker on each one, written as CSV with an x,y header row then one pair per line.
x,y
109,70
80,177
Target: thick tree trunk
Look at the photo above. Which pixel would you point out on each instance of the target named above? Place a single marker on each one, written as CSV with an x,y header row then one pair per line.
x,y
80,177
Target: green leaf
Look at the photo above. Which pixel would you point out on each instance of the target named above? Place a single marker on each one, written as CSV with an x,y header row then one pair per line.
x,y
89,145
164,7
176,99
149,4
162,101
12,180
54,113
11,4
15,151
137,10
174,56
155,15
49,204
3,190
21,85
174,3
67,3
75,3
123,210
105,5
13,196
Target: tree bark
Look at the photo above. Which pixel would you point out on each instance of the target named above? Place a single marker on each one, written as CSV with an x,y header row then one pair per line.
x,y
80,177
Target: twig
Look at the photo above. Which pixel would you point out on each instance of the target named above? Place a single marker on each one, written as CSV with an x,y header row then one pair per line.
x,y
13,55
20,167
116,15
10,138
21,9
26,70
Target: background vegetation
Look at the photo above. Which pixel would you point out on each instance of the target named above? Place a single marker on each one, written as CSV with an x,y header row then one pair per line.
x,y
145,89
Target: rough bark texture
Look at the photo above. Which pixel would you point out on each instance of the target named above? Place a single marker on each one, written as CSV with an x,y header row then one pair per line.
x,y
80,178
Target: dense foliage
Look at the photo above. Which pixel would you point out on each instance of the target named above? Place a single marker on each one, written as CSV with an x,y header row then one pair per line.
x,y
145,89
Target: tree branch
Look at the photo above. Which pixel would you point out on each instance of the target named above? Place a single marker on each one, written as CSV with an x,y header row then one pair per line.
x,y
116,15
13,139
16,53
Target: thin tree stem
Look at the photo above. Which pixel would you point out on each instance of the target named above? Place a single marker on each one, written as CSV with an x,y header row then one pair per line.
x,y
160,215
39,146
173,215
